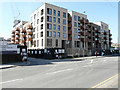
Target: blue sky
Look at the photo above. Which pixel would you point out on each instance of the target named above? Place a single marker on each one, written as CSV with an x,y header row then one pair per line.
x,y
95,11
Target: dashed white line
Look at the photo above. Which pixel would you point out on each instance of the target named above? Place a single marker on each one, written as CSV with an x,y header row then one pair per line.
x,y
10,81
60,71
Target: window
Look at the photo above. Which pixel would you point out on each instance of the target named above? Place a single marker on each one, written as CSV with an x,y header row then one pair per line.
x,y
49,11
78,37
75,30
78,18
75,24
49,42
64,14
42,42
37,43
34,16
58,27
78,30
75,36
42,11
49,34
75,17
41,26
34,43
78,24
64,21
37,35
58,13
54,19
58,20
56,42
41,34
58,34
49,18
37,21
41,19
54,12
64,35
38,14
64,28
54,34
54,27
49,26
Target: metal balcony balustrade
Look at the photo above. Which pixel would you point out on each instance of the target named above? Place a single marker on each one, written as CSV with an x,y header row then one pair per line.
x,y
17,29
29,27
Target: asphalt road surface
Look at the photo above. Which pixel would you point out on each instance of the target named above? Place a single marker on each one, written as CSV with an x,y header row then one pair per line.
x,y
90,73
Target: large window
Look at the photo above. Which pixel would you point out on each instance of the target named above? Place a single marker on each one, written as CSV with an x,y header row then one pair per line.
x,y
64,35
41,19
58,27
78,18
78,24
58,34
49,11
41,26
58,20
49,26
75,30
64,14
75,24
49,18
64,28
58,13
42,11
64,21
49,34
54,12
54,19
75,17
75,36
54,34
54,27
49,42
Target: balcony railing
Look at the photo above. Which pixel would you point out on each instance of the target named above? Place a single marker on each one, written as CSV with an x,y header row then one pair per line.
x,y
13,39
29,33
13,31
23,35
29,39
69,19
13,35
23,30
16,42
29,27
70,38
17,37
17,29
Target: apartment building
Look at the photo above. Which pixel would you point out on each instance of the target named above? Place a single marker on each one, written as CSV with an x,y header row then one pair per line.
x,y
105,35
49,27
78,34
95,43
21,30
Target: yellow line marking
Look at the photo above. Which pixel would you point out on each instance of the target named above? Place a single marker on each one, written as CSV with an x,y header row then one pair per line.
x,y
105,81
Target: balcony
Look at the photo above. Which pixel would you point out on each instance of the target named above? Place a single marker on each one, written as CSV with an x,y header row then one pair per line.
x,y
17,37
82,27
110,38
97,36
81,21
23,35
29,39
17,33
69,19
105,42
69,25
105,38
97,31
105,33
85,40
22,41
110,34
29,27
29,32
13,39
23,31
12,42
70,38
86,21
69,31
17,29
16,42
87,28
13,31
13,35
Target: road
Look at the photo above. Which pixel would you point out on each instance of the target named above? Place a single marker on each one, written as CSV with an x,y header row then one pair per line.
x,y
90,73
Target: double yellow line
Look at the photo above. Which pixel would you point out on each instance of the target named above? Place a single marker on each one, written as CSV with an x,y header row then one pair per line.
x,y
105,81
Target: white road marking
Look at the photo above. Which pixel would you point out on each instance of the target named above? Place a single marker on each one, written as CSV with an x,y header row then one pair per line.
x,y
60,71
10,81
91,61
87,66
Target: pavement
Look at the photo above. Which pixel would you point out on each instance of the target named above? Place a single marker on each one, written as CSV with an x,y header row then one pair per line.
x,y
90,72
11,65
